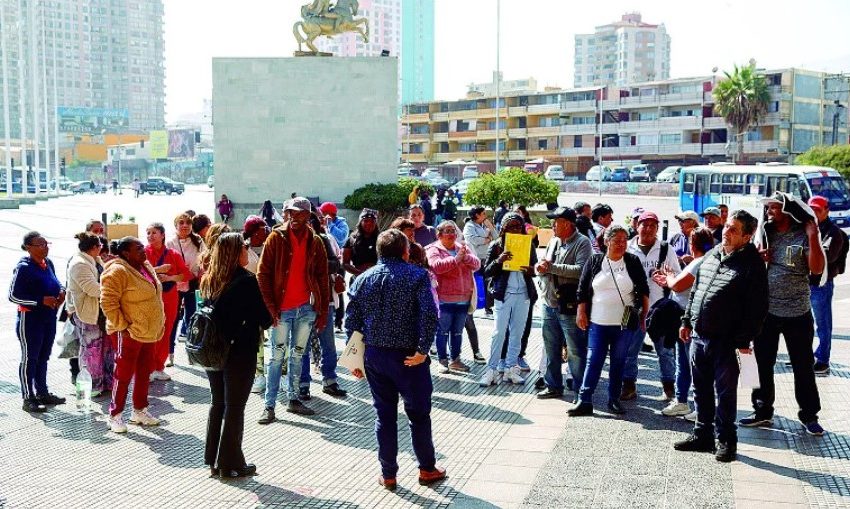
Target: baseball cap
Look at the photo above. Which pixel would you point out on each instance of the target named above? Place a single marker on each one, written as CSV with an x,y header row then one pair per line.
x,y
563,213
328,208
298,203
688,214
713,211
819,202
637,212
648,216
253,224
368,213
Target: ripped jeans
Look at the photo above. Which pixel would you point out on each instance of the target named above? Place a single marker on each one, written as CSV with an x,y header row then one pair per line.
x,y
291,333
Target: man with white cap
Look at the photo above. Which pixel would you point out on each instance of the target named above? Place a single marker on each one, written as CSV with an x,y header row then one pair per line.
x,y
681,242
713,218
293,278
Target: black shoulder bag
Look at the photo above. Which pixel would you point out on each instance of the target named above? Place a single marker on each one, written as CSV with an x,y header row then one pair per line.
x,y
630,313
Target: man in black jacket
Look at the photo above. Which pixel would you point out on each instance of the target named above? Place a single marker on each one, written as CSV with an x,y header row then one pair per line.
x,y
726,312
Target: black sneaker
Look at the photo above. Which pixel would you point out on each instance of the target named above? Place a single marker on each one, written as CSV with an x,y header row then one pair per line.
x,y
51,399
297,407
647,348
725,452
267,417
335,390
34,407
814,429
540,384
695,444
580,410
616,408
821,368
550,393
304,394
754,421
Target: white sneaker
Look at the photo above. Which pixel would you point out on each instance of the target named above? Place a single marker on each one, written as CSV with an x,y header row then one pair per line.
x,y
691,416
143,418
675,409
160,375
513,376
259,386
116,424
491,377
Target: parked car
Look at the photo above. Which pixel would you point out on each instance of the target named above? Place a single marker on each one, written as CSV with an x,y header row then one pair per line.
x,y
639,173
462,186
403,171
86,187
211,181
594,172
161,185
438,182
620,174
431,173
469,172
669,174
554,172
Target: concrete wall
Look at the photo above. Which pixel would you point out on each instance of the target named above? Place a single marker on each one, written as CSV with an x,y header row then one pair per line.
x,y
316,126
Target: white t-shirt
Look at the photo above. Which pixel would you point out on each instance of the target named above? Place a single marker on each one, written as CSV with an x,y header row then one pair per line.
x,y
606,307
682,298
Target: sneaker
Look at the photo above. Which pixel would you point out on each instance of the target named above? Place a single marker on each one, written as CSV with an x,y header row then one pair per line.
x,y
629,391
754,421
433,350
259,386
513,376
143,418
33,406
388,484
615,407
725,452
444,366
458,365
304,394
267,417
813,428
501,366
427,477
647,348
695,444
523,366
297,407
580,410
540,384
676,409
116,424
335,390
691,417
550,393
50,399
821,368
162,376
491,377
478,358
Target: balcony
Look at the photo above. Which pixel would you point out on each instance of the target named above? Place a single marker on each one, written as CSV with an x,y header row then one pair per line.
x,y
714,149
440,157
415,118
629,150
517,154
467,114
578,129
487,134
517,132
438,137
714,123
537,109
416,138
414,158
575,106
454,135
544,131
517,111
578,152
440,116
551,152
663,100
761,147
679,122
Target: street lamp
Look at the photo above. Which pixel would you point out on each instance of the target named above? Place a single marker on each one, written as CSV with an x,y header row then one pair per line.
x,y
835,116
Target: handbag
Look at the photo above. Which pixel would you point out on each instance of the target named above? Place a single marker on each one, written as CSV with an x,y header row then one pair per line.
x,y
629,321
339,283
166,285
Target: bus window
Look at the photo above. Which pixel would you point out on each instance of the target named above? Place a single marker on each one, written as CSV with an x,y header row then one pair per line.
x,y
688,185
776,183
714,187
798,190
755,184
732,183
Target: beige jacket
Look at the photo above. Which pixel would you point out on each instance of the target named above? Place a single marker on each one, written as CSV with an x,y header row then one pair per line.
x,y
131,302
83,288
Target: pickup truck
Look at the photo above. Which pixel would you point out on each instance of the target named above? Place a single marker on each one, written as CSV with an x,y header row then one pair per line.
x,y
161,185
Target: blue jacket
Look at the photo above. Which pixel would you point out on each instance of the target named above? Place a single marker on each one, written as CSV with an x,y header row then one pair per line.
x,y
31,284
338,228
392,305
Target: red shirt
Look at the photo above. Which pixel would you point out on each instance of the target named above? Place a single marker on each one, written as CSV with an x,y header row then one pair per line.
x,y
172,257
297,292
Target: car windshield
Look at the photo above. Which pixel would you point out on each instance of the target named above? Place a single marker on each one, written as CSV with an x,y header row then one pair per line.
x,y
833,189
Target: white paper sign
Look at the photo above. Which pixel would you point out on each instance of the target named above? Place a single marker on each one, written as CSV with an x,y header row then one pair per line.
x,y
352,356
749,378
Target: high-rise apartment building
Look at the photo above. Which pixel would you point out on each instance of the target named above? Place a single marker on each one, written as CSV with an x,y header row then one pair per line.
x,y
626,51
108,54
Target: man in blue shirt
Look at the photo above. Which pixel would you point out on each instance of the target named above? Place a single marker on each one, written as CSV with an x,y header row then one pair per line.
x,y
391,304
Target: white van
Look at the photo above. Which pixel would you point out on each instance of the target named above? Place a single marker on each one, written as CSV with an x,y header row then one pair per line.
x,y
469,172
554,172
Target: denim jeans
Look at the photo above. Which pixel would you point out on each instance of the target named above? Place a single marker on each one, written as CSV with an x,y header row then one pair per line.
x,y
666,360
450,328
388,379
601,338
510,315
798,332
291,334
683,371
822,309
715,366
329,358
560,330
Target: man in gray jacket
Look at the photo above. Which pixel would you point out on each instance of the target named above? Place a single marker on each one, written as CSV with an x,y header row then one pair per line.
x,y
559,272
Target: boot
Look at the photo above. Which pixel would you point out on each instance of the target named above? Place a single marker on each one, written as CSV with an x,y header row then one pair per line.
x,y
669,390
629,390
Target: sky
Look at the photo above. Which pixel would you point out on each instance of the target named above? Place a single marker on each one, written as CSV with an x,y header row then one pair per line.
x,y
537,38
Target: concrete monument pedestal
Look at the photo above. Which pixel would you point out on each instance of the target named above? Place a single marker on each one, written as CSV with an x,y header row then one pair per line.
x,y
317,127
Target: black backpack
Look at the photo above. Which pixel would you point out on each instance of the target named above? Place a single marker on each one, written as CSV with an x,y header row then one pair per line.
x,y
841,262
206,346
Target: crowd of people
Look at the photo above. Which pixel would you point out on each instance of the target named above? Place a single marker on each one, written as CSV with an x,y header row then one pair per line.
x,y
714,292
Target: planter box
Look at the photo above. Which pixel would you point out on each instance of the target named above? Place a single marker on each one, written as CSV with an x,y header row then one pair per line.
x,y
544,235
115,231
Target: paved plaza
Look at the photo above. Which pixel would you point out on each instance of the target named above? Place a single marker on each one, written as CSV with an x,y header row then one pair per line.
x,y
501,446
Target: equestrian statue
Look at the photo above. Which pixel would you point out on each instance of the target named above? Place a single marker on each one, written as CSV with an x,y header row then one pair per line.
x,y
321,17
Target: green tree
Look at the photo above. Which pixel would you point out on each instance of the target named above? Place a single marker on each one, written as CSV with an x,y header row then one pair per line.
x,y
742,99
515,185
832,156
390,200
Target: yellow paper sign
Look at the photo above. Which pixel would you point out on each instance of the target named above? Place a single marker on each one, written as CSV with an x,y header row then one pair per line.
x,y
520,247
158,144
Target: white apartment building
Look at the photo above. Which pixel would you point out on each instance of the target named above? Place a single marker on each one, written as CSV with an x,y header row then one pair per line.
x,y
384,32
506,87
626,51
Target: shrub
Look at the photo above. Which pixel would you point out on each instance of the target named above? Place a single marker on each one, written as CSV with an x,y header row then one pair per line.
x,y
390,200
516,186
834,156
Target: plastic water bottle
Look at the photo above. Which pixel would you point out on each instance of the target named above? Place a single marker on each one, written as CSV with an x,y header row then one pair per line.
x,y
84,388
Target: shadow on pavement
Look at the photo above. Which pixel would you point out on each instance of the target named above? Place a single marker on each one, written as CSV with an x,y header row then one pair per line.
x,y
269,495
829,483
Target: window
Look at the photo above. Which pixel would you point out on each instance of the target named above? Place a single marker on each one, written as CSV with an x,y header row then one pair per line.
x,y
671,139
542,144
576,141
732,184
714,186
689,183
755,183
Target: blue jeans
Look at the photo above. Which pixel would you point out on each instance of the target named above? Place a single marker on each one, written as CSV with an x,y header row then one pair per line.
x,y
510,315
559,330
601,338
450,328
388,378
329,358
822,309
715,366
683,371
291,334
666,360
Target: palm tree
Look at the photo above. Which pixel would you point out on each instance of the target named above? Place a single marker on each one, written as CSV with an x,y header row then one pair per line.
x,y
742,99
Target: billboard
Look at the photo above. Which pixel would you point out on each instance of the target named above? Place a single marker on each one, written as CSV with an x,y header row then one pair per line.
x,y
158,144
92,120
181,143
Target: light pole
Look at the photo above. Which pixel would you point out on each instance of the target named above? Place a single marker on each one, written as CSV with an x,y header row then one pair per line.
x,y
835,116
7,136
22,102
498,79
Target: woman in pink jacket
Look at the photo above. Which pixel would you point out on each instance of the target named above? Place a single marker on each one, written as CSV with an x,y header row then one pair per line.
x,y
453,263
